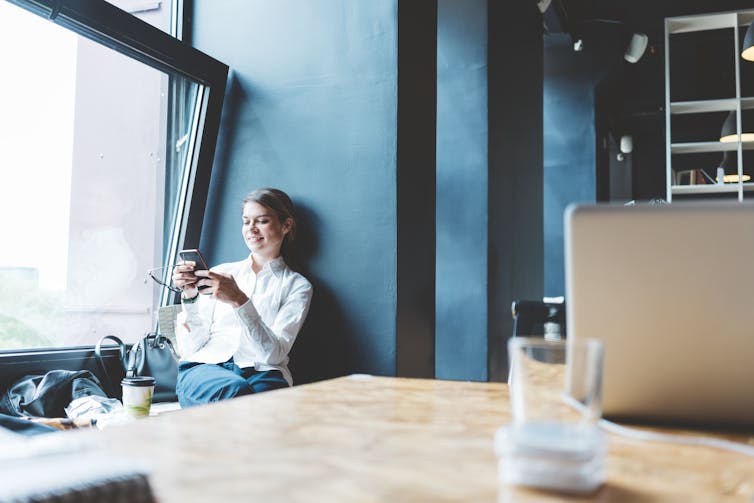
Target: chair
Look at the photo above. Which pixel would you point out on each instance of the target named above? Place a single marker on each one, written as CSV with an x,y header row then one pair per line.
x,y
544,318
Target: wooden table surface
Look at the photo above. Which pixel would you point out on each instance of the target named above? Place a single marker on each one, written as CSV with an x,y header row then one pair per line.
x,y
368,439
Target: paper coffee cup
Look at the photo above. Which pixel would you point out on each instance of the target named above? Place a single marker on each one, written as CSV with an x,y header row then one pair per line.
x,y
137,395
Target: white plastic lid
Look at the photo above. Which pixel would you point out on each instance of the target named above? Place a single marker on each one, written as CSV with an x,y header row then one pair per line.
x,y
562,441
553,456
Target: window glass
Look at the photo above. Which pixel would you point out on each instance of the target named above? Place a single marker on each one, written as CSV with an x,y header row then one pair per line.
x,y
90,168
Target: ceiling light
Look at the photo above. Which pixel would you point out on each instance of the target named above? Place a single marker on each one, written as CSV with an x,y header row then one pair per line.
x,y
636,47
748,50
729,165
729,133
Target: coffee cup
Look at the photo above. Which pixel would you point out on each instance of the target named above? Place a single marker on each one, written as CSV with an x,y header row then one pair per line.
x,y
137,395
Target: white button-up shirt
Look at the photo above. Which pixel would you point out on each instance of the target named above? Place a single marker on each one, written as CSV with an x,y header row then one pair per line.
x,y
258,334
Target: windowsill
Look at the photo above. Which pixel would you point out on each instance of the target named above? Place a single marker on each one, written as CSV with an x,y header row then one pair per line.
x,y
160,408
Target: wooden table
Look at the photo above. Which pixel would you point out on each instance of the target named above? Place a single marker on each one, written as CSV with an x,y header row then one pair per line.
x,y
365,439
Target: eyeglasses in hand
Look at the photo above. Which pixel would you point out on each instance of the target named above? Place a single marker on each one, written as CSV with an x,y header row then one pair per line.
x,y
151,274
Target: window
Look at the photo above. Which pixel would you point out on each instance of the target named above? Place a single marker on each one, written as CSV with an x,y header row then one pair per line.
x,y
106,143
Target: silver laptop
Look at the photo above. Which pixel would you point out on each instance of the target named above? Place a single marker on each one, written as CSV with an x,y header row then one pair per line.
x,y
670,291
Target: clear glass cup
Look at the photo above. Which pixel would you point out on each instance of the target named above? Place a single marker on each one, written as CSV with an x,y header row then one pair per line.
x,y
554,441
557,381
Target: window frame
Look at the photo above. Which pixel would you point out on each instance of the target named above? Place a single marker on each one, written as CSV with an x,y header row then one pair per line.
x,y
112,27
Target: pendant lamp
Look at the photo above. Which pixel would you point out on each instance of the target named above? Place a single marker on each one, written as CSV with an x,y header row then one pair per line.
x,y
728,132
730,169
748,50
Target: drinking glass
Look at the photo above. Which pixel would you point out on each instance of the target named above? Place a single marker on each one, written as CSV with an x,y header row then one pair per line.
x,y
554,441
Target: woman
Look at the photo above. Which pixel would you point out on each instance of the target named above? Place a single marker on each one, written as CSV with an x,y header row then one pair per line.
x,y
235,334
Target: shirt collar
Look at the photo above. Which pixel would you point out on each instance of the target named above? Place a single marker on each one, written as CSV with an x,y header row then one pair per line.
x,y
275,265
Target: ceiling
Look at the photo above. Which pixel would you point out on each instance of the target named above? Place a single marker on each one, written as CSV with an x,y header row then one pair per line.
x,y
594,20
630,97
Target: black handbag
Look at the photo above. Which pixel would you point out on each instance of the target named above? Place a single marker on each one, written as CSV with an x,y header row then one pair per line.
x,y
153,355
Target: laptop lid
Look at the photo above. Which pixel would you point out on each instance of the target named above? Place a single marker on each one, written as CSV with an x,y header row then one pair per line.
x,y
670,291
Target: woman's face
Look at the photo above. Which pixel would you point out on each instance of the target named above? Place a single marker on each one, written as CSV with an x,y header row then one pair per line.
x,y
263,231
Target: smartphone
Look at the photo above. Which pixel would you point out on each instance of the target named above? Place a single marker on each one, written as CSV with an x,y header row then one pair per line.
x,y
194,256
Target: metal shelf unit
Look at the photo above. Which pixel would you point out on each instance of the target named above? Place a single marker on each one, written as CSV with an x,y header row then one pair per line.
x,y
703,22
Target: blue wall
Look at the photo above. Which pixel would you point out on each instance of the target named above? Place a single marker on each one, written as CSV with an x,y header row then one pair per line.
x,y
461,282
312,109
338,102
489,207
569,147
489,180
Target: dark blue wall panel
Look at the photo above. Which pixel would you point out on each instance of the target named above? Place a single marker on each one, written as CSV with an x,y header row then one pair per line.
x,y
415,187
461,282
515,179
569,147
312,109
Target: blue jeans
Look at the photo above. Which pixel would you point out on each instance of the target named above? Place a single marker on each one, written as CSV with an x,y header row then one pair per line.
x,y
200,383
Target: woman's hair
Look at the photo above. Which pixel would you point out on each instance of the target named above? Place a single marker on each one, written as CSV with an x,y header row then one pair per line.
x,y
277,201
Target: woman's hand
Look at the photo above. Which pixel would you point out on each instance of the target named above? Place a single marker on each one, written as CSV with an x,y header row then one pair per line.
x,y
222,286
185,279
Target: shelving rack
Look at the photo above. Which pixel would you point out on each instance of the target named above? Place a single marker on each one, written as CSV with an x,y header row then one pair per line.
x,y
697,23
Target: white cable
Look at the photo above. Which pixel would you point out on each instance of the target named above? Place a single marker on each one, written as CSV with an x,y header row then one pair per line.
x,y
652,436
716,443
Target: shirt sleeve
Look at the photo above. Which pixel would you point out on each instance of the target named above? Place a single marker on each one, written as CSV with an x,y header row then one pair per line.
x,y
192,330
272,343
